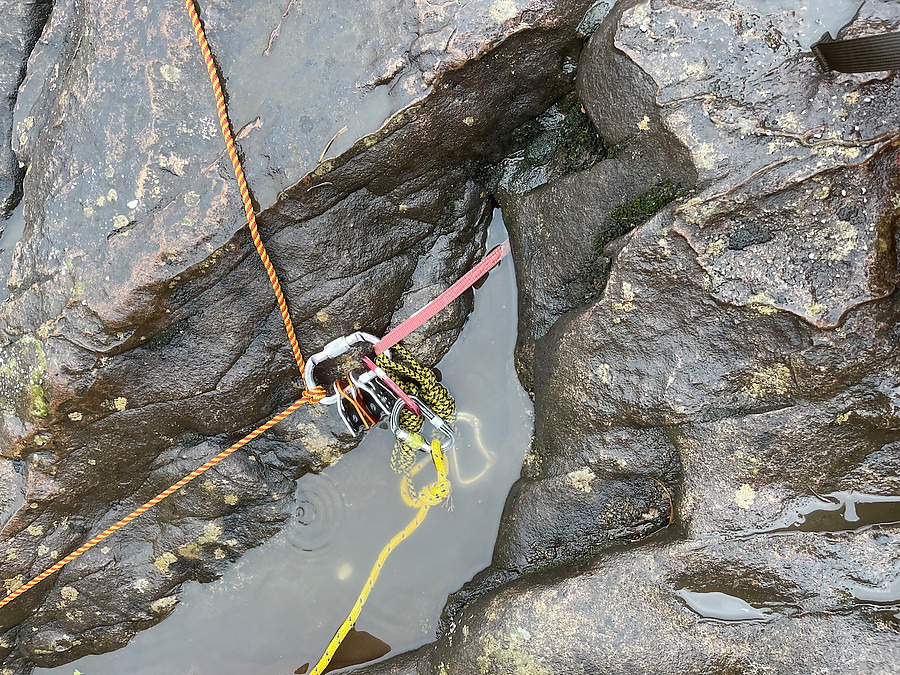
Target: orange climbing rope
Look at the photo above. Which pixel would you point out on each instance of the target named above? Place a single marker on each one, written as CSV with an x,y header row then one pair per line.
x,y
309,396
153,502
239,173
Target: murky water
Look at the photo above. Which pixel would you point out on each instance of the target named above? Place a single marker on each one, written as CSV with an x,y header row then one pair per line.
x,y
13,227
279,605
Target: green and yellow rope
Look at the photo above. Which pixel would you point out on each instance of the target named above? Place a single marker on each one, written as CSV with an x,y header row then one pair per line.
x,y
416,380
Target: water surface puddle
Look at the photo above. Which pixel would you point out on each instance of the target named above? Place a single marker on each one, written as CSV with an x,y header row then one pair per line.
x,y
277,607
815,17
842,512
722,607
878,595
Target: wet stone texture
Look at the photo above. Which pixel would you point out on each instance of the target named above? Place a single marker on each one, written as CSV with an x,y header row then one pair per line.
x,y
741,347
22,23
141,336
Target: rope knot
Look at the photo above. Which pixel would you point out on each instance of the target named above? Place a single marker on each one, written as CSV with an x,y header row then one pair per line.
x,y
314,395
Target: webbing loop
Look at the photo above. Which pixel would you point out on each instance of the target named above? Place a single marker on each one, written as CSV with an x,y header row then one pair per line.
x,y
462,284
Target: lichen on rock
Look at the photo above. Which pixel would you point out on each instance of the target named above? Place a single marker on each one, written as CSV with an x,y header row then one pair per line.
x,y
743,326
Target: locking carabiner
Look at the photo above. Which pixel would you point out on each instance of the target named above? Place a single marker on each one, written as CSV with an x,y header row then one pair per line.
x,y
332,350
417,441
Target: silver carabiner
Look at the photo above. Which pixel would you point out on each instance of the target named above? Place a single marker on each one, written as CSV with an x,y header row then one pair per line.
x,y
332,350
417,441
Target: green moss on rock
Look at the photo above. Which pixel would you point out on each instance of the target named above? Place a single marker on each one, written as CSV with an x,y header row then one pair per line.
x,y
622,219
582,142
22,367
630,214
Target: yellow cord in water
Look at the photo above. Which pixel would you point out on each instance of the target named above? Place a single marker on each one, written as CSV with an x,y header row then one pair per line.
x,y
428,496
490,457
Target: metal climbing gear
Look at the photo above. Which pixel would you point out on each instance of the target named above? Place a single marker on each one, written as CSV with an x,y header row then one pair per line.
x,y
364,401
415,440
390,384
377,398
362,390
352,410
332,350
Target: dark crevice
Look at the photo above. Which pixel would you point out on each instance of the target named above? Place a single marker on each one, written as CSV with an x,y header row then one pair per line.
x,y
22,34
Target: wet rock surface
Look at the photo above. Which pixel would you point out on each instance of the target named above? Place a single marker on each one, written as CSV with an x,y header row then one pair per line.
x,y
708,314
141,336
23,21
743,351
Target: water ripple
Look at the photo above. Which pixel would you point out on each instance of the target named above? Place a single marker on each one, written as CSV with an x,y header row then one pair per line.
x,y
318,515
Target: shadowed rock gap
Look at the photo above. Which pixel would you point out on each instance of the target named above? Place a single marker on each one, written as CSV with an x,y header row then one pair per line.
x,y
23,22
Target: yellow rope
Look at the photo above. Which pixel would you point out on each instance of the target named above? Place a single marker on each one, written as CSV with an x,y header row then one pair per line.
x,y
427,497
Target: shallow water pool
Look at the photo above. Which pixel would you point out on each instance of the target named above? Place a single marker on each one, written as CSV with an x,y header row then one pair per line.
x,y
278,606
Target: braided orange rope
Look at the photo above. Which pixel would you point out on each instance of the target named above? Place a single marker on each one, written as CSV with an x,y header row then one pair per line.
x,y
312,396
158,498
239,173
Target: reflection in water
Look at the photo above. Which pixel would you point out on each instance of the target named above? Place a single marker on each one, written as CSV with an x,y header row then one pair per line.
x,y
888,594
722,607
280,604
358,647
488,457
844,511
